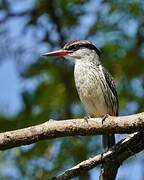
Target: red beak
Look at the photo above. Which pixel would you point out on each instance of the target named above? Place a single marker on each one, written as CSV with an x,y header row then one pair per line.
x,y
58,53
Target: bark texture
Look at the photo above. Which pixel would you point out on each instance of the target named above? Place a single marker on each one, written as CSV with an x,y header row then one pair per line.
x,y
55,129
112,159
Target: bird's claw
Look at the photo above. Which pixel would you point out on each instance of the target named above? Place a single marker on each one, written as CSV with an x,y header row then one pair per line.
x,y
104,117
86,118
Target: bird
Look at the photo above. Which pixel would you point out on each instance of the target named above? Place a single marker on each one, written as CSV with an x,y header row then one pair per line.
x,y
94,84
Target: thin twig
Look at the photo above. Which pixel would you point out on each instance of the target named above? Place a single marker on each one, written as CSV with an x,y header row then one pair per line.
x,y
114,156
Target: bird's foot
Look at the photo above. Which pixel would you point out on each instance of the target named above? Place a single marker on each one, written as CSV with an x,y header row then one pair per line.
x,y
104,117
86,118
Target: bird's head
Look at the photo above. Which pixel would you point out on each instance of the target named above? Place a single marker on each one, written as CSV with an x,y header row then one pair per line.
x,y
77,49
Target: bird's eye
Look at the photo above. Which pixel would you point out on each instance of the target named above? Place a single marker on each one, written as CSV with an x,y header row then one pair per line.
x,y
74,47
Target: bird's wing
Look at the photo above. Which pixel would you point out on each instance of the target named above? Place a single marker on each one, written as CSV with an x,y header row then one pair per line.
x,y
111,84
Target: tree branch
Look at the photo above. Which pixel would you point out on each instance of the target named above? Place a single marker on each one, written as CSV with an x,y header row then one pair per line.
x,y
74,127
114,156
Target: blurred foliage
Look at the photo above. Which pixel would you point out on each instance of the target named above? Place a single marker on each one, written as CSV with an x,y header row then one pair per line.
x,y
29,28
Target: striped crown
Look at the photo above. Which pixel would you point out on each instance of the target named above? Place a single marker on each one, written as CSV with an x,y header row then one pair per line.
x,y
80,44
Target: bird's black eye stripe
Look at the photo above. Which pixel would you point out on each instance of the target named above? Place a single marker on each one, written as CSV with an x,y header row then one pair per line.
x,y
75,47
91,46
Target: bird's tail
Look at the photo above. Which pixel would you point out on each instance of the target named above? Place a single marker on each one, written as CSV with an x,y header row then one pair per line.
x,y
108,140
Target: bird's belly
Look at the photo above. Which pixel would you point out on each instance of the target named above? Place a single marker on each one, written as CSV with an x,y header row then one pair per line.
x,y
89,87
93,100
91,95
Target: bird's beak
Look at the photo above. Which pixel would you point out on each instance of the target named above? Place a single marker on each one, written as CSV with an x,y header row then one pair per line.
x,y
58,53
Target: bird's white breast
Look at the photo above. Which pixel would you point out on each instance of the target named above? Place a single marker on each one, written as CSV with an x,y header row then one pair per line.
x,y
89,89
